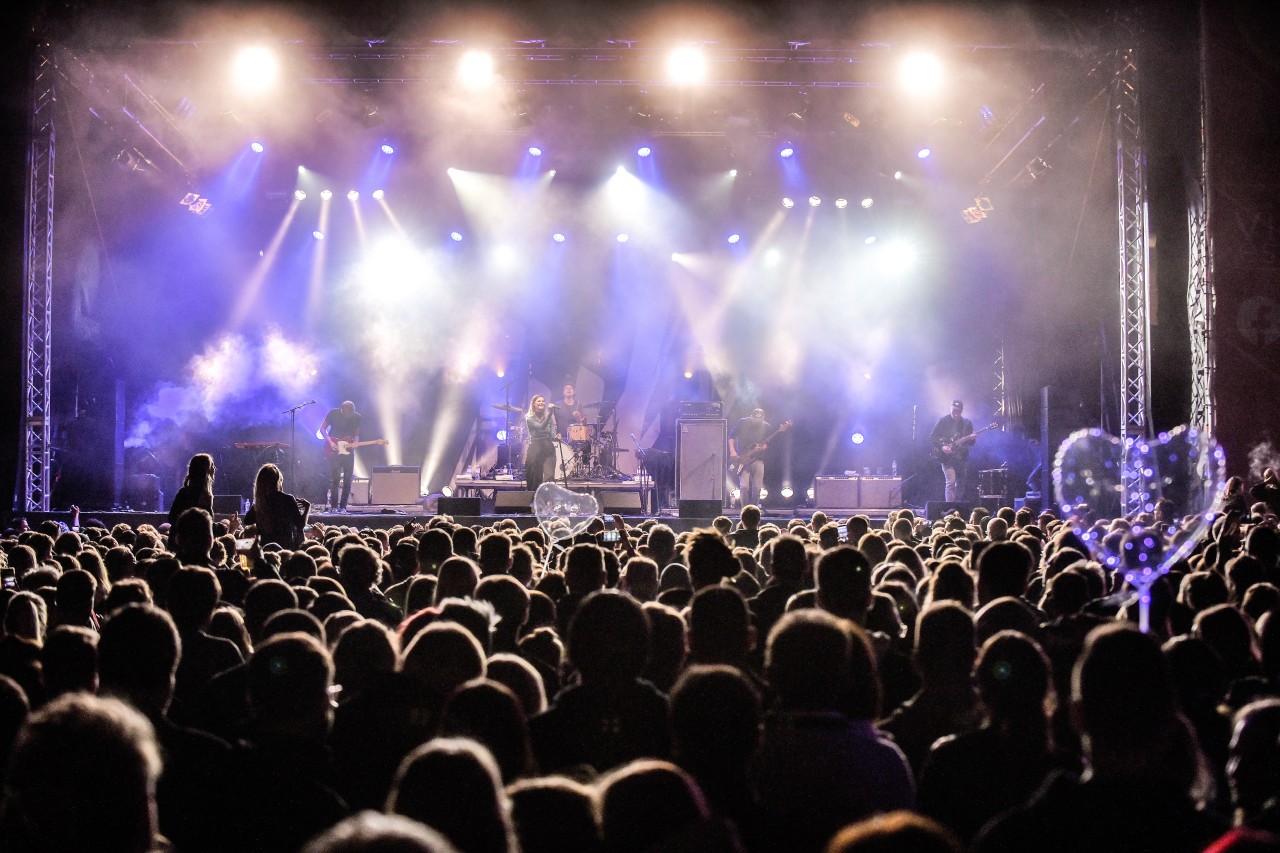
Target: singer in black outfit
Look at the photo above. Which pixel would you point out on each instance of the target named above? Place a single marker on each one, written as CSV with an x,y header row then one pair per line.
x,y
540,456
341,424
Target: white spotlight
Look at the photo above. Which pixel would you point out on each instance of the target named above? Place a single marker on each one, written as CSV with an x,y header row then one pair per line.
x,y
352,195
475,70
897,258
867,202
920,73
326,194
299,194
842,203
558,237
255,70
814,201
787,492
319,235
733,173
687,65
378,195
788,203
622,238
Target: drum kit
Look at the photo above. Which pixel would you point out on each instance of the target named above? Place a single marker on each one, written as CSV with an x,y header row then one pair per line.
x,y
593,446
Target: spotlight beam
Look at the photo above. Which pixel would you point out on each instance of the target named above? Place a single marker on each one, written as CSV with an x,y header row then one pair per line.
x,y
249,296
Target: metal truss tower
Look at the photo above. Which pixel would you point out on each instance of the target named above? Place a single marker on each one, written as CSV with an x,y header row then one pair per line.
x,y
1201,294
37,296
1135,319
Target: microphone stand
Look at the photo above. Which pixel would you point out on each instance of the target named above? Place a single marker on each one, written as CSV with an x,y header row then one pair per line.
x,y
293,441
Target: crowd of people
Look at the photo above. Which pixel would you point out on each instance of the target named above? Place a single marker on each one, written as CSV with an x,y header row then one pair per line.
x,y
830,684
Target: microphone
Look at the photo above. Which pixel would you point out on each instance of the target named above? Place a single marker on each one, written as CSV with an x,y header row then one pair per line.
x,y
552,406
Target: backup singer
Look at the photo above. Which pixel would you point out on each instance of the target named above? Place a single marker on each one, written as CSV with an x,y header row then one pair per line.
x,y
540,455
952,453
341,424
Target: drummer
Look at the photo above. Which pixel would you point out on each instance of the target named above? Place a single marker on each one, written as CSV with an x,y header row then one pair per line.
x,y
571,423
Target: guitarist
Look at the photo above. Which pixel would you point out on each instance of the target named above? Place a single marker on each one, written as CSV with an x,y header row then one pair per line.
x,y
341,424
748,437
949,449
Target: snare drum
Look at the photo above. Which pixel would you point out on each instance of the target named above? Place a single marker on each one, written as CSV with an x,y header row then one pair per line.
x,y
579,432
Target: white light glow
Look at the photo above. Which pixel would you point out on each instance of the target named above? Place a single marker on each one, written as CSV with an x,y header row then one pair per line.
x,y
256,70
897,258
475,70
687,65
920,73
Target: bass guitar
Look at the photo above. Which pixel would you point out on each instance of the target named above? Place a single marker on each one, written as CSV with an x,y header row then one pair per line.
x,y
343,446
747,457
945,450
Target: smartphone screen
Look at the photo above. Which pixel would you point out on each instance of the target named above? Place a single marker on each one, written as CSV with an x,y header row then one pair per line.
x,y
843,532
611,535
243,547
9,578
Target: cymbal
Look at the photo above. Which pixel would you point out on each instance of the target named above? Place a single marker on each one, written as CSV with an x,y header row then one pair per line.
x,y
597,405
504,407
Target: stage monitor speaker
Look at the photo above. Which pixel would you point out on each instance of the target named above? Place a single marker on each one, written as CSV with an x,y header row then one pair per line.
x,y
701,509
619,502
513,503
701,449
395,485
934,510
836,493
880,492
458,506
227,504
1032,502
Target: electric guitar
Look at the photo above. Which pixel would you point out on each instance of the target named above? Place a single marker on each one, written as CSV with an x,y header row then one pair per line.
x,y
344,446
747,457
946,450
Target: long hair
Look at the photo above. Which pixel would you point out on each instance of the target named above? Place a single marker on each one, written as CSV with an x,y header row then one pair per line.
x,y
533,400
268,483
200,473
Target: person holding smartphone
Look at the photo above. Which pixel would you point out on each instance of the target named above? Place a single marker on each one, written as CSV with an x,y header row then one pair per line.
x,y
279,516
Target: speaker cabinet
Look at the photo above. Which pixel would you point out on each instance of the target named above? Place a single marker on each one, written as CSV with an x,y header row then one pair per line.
x,y
513,503
458,506
836,492
227,504
395,485
880,492
934,510
701,509
623,503
702,446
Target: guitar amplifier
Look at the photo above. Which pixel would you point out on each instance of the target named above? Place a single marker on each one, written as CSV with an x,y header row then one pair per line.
x,y
395,485
701,410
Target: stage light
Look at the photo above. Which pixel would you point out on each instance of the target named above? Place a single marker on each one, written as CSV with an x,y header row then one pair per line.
x,y
326,194
814,201
475,70
622,238
842,203
786,150
378,195
500,435
644,151
736,494
866,376
319,235
772,257
299,194
809,493
858,438
788,203
687,65
733,239
920,73
257,147
897,176
868,202
764,493
688,374
870,240
446,491
352,195
388,148
256,70
558,237
535,151
787,492
455,236
733,173
897,257
923,153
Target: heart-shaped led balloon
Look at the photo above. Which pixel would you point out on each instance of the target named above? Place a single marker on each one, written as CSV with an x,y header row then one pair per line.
x,y
1109,477
561,512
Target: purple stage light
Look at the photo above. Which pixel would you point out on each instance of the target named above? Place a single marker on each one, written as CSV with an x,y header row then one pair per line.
x,y
858,438
352,195
535,151
644,151
733,239
558,237
455,236
924,153
388,148
257,147
319,235
786,150
378,195
299,194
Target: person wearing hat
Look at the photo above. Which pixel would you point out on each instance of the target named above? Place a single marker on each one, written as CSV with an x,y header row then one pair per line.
x,y
949,447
